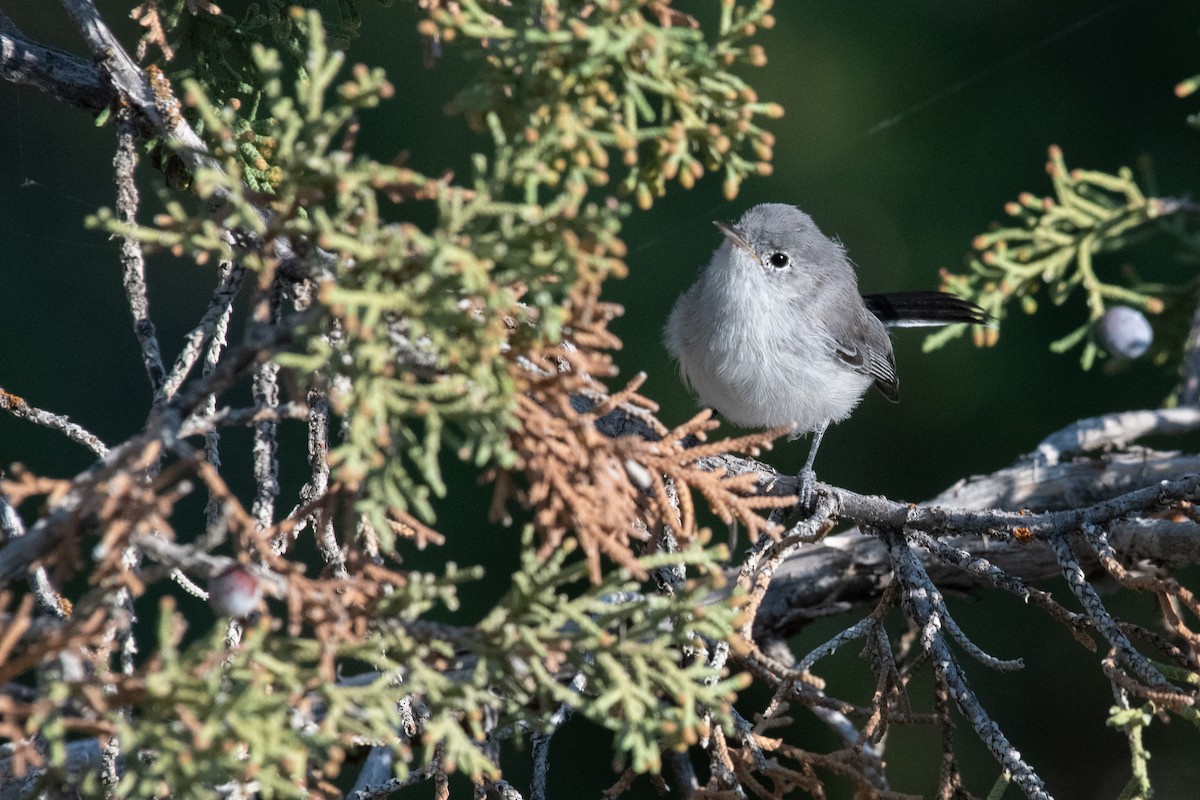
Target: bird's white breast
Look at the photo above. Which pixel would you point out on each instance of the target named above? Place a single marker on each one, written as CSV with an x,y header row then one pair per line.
x,y
746,355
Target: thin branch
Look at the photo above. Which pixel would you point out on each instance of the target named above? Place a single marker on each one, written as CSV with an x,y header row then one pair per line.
x,y
236,417
950,779
259,343
122,614
1094,606
767,554
318,485
132,259
21,409
212,328
201,565
220,310
918,593
974,650
855,632
982,568
265,389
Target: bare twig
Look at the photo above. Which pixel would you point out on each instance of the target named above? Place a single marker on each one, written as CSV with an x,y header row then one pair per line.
x,y
206,425
1105,624
214,324
982,568
919,595
265,389
21,409
318,485
132,260
122,615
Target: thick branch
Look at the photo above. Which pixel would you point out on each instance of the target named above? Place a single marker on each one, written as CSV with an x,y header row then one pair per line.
x,y
69,78
124,74
851,569
1116,431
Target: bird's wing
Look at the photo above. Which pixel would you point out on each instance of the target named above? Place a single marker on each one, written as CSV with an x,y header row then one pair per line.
x,y
866,348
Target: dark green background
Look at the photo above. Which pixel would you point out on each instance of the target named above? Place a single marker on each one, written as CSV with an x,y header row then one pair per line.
x,y
977,92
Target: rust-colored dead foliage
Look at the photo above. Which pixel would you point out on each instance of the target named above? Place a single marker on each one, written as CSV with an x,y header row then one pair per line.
x,y
600,468
131,512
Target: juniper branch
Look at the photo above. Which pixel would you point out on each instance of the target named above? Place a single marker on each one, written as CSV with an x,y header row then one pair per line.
x,y
20,408
212,328
1094,606
918,592
132,259
130,82
1115,431
68,78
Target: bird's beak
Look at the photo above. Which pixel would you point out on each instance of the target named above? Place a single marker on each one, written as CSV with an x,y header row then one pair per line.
x,y
734,234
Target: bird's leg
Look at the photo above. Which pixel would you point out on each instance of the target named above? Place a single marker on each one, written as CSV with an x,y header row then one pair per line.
x,y
808,478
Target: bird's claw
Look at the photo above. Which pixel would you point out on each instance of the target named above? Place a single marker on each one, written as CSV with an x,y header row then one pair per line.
x,y
807,489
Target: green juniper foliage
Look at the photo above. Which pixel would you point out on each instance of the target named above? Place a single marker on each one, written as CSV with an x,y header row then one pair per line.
x,y
416,321
424,337
1052,246
273,694
416,333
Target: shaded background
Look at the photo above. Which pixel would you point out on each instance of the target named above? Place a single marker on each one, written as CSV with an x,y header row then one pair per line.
x,y
908,126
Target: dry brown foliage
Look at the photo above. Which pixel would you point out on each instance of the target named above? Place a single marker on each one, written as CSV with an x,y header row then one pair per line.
x,y
131,510
616,493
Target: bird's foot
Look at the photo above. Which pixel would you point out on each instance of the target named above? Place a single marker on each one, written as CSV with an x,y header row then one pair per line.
x,y
807,489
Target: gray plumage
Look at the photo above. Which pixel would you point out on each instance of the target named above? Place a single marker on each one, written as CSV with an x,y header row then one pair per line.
x,y
775,332
770,345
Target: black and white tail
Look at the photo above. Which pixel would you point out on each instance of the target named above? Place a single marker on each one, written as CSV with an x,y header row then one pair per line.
x,y
924,309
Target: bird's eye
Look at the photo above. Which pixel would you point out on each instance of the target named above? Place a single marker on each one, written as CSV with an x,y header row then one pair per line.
x,y
779,260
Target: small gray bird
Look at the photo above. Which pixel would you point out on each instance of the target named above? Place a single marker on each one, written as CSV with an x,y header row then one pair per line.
x,y
774,332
